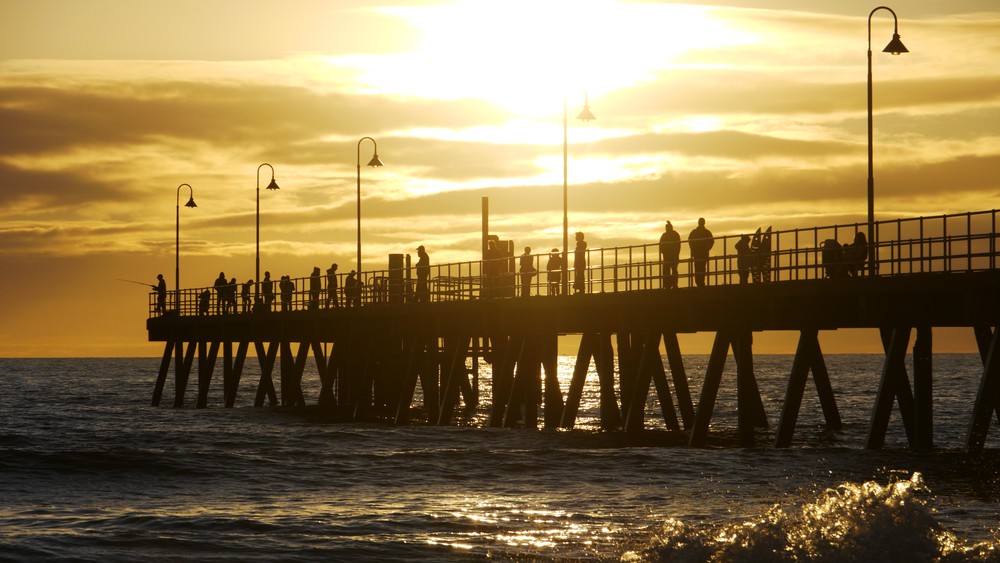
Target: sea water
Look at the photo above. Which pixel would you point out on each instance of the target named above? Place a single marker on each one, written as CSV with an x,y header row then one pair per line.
x,y
90,471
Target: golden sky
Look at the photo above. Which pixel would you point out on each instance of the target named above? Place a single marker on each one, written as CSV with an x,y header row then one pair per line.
x,y
749,113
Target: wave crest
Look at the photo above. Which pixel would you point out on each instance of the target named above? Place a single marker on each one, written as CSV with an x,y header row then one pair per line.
x,y
852,522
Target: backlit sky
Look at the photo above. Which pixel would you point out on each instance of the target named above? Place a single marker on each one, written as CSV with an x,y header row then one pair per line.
x,y
747,113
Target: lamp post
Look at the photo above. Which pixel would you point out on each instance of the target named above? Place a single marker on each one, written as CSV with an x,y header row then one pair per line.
x,y
373,163
272,186
895,47
177,244
585,115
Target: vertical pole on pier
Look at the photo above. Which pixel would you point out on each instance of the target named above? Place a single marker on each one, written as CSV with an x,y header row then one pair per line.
x,y
923,390
710,388
486,227
988,396
161,378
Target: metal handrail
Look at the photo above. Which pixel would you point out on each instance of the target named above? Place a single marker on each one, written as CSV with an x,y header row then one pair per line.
x,y
964,242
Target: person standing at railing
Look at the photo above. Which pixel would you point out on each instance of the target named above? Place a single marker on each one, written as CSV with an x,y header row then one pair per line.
x,y
221,303
332,299
352,290
267,288
423,292
701,242
527,271
161,295
245,295
670,255
286,286
231,296
744,258
854,255
314,289
554,269
580,265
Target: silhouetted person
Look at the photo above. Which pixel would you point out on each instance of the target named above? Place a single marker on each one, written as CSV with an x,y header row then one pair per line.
x,y
554,269
267,288
231,296
762,256
161,294
670,254
423,292
220,293
701,242
314,288
203,300
833,258
855,255
352,289
755,263
580,264
332,299
245,295
744,258
286,286
527,271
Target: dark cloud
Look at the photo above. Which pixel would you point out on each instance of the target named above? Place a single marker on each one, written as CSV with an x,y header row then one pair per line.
x,y
43,192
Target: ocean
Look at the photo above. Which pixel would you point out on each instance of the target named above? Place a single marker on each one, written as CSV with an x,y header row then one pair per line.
x,y
89,471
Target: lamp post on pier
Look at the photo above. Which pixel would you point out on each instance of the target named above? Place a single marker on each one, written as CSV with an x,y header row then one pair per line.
x,y
585,115
177,244
895,47
272,186
374,162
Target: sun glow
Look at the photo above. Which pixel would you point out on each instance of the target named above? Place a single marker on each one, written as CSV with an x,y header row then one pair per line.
x,y
526,55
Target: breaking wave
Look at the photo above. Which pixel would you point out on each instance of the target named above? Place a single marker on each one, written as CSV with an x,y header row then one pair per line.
x,y
852,522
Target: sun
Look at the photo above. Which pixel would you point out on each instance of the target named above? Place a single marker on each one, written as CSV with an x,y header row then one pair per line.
x,y
526,55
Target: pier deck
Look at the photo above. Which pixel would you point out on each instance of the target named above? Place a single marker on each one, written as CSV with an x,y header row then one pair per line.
x,y
946,275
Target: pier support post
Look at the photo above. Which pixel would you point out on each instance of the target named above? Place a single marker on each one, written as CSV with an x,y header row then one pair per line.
x,y
161,378
182,369
679,377
588,346
808,356
236,373
710,389
206,366
894,385
988,396
553,393
265,387
923,394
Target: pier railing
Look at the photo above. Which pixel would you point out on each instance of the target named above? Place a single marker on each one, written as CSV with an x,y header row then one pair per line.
x,y
965,242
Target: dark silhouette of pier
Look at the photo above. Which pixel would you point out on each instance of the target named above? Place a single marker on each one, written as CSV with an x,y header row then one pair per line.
x,y
931,272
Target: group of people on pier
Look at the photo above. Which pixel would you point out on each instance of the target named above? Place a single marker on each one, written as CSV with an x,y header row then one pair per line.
x,y
753,262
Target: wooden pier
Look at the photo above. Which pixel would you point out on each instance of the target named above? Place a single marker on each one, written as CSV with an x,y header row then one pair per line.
x,y
370,359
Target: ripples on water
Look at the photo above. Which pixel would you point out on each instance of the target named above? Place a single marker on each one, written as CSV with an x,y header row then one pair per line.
x,y
89,471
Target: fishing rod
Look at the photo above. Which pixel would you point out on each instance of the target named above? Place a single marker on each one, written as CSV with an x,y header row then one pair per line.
x,y
136,282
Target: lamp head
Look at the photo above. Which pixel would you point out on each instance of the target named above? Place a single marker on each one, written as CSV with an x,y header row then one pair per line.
x,y
191,202
895,46
273,185
375,161
586,114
